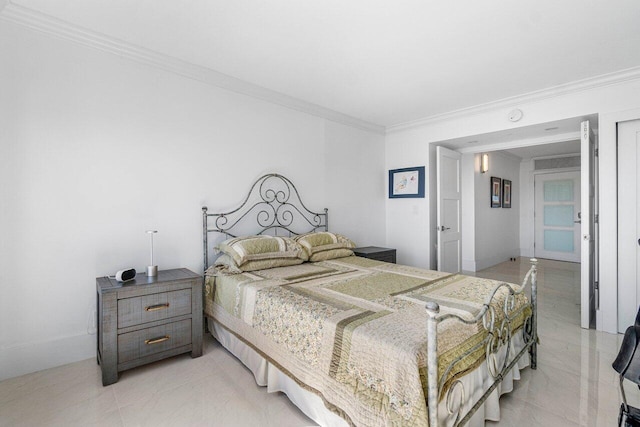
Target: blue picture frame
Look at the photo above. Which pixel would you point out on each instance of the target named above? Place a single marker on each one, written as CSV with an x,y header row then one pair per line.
x,y
406,183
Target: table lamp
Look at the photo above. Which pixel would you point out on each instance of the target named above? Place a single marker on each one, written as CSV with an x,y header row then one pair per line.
x,y
152,270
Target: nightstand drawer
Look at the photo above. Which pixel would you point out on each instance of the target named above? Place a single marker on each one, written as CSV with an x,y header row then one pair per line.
x,y
149,308
146,342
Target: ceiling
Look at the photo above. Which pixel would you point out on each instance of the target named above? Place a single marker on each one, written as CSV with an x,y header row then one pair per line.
x,y
382,62
547,150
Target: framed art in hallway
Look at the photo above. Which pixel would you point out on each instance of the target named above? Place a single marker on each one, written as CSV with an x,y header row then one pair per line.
x,y
506,193
406,183
496,192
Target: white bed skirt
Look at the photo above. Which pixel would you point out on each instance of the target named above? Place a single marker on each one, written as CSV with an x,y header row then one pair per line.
x,y
474,383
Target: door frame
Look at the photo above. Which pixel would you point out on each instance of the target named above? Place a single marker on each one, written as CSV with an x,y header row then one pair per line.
x,y
603,184
589,227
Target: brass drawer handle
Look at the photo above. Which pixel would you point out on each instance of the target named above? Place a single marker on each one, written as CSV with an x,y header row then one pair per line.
x,y
157,307
157,340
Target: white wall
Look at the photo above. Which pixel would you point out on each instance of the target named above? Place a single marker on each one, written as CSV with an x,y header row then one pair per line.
x,y
527,206
609,101
95,149
489,235
408,220
497,230
470,166
355,184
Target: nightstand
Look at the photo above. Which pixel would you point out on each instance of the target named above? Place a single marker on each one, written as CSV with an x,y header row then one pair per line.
x,y
374,252
147,319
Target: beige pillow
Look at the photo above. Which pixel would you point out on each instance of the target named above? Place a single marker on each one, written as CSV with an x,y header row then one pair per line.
x,y
226,265
323,245
280,251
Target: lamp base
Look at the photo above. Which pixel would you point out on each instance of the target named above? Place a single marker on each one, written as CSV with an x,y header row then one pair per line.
x,y
152,270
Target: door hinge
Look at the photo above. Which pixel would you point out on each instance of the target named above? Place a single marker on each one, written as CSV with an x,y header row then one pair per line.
x,y
596,218
595,153
596,294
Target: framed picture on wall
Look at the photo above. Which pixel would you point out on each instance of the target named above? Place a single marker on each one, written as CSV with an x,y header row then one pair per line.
x,y
406,182
506,193
496,192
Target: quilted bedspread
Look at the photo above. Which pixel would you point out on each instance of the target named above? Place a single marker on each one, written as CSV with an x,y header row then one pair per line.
x,y
353,330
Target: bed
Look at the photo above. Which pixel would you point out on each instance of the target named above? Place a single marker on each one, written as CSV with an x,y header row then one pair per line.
x,y
353,341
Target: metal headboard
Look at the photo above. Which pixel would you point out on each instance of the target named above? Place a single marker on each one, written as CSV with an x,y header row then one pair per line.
x,y
274,204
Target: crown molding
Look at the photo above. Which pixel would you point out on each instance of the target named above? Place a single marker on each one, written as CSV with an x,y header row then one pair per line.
x,y
54,27
609,79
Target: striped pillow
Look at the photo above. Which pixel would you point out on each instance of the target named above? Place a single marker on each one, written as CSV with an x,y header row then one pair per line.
x,y
273,251
322,246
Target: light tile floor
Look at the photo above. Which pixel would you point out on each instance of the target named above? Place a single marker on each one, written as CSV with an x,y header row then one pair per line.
x,y
574,384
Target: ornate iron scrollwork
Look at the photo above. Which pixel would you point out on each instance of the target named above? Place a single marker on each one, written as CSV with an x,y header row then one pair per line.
x,y
456,410
497,317
274,203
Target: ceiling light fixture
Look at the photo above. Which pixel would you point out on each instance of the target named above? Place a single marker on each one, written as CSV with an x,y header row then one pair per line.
x,y
548,129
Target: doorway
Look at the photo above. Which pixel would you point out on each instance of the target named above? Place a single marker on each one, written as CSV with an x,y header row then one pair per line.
x,y
557,216
530,144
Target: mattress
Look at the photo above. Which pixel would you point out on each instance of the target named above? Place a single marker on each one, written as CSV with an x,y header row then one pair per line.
x,y
352,332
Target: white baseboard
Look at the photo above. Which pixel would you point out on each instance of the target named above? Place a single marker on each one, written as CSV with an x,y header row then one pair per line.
x,y
481,264
526,252
26,358
469,265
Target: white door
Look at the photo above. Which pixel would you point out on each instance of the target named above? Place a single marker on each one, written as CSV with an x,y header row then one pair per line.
x,y
628,221
557,216
588,172
448,217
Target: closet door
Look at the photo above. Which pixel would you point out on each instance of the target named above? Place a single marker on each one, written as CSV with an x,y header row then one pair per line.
x,y
628,222
449,194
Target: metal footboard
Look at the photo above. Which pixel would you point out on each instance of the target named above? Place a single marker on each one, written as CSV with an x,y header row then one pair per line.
x,y
500,330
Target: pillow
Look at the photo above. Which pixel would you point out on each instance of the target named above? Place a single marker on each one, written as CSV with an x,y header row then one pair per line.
x,y
260,252
322,246
225,265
